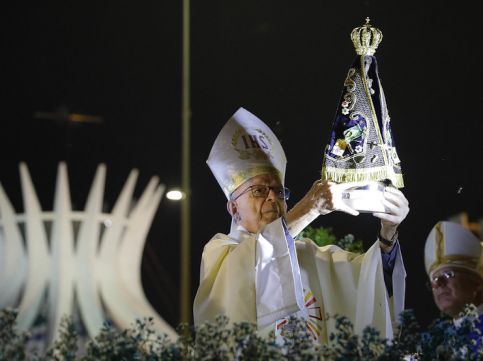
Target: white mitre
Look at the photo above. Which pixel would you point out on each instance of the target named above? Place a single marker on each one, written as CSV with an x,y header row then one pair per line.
x,y
450,244
245,148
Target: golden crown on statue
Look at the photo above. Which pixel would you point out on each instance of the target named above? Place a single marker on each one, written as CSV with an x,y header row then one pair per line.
x,y
366,38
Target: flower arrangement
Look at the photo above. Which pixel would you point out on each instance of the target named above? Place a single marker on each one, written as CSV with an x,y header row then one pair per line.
x,y
219,340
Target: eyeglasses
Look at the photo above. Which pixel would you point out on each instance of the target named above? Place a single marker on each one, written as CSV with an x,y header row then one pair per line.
x,y
440,280
262,191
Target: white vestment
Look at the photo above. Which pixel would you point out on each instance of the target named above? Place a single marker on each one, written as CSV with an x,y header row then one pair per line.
x,y
259,278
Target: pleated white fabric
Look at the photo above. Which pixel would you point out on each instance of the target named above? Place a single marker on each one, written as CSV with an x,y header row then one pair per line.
x,y
255,278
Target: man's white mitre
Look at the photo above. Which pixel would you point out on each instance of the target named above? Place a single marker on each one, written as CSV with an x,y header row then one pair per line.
x,y
450,244
245,148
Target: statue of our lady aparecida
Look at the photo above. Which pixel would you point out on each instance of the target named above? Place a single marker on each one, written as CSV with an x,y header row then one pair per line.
x,y
361,146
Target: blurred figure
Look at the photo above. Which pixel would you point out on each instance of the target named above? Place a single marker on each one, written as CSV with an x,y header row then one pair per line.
x,y
453,261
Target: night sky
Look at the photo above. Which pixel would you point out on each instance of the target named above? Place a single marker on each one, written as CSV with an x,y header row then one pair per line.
x,y
284,61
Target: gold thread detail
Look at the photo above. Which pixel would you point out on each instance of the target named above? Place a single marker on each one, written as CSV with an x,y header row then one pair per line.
x,y
440,244
363,174
374,117
240,177
456,260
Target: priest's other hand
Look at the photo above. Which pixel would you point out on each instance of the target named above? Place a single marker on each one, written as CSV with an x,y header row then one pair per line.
x,y
397,208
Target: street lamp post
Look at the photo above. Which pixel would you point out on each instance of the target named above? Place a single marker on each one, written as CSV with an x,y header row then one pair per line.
x,y
185,297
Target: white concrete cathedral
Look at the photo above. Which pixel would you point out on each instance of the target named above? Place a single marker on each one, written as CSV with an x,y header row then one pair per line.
x,y
93,255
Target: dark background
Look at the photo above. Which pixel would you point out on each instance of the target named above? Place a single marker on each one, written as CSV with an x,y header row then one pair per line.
x,y
284,61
